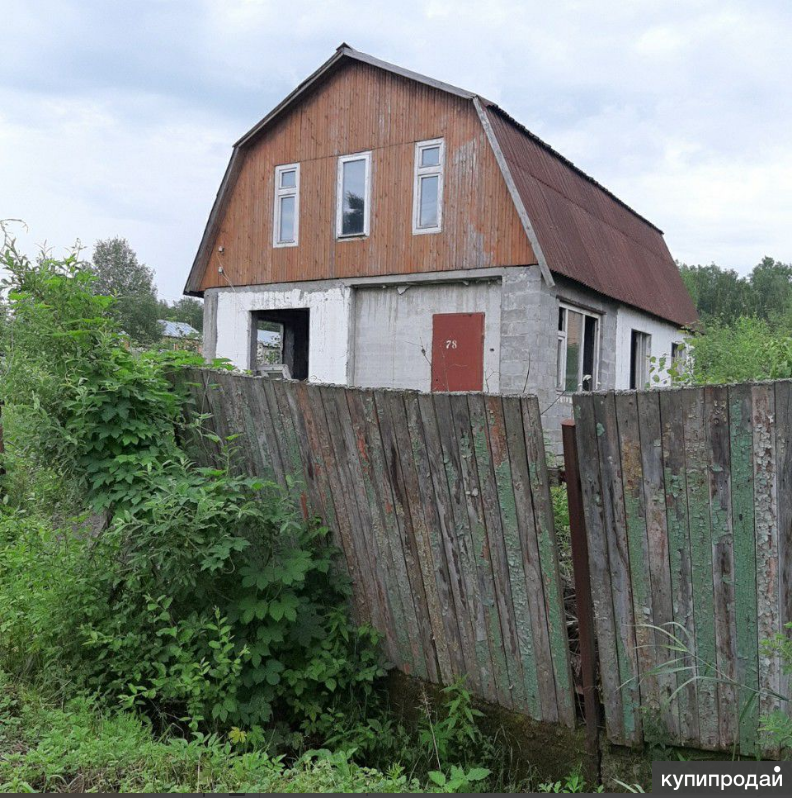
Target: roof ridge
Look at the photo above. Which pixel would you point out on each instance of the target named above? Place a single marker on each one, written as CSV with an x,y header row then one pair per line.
x,y
561,158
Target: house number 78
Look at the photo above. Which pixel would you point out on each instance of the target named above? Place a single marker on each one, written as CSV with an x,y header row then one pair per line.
x,y
451,344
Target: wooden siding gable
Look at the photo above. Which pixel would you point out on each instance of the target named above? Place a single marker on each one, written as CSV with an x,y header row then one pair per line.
x,y
356,103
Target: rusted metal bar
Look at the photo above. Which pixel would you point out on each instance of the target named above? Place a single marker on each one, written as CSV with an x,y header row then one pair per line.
x,y
585,610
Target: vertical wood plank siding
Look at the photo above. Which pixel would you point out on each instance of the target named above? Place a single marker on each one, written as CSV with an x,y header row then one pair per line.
x,y
362,108
688,508
441,507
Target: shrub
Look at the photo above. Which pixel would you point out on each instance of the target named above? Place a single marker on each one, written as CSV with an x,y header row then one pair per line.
x,y
207,597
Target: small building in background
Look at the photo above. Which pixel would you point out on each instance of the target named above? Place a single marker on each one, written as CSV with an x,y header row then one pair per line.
x,y
179,335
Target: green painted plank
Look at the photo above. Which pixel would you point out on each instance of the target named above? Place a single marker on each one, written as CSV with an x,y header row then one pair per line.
x,y
495,544
658,567
315,458
745,601
453,418
437,576
446,474
700,541
531,561
290,447
716,418
517,585
672,422
548,558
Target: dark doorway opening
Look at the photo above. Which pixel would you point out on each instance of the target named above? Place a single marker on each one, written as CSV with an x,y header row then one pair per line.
x,y
293,326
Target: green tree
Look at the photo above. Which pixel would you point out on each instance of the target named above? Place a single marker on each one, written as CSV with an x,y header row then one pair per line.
x,y
120,274
188,310
718,293
772,287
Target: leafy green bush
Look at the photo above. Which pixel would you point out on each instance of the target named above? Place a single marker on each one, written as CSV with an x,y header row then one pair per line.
x,y
207,597
201,601
750,349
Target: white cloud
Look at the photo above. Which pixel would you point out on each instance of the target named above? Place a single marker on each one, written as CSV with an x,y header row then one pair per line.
x,y
119,118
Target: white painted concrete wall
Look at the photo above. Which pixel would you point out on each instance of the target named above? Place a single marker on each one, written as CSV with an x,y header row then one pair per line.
x,y
329,341
393,331
663,335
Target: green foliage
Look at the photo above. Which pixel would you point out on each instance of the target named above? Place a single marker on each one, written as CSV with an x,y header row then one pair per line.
x,y
77,748
206,597
717,293
121,275
200,601
724,296
459,780
84,406
454,737
778,724
558,495
574,784
749,349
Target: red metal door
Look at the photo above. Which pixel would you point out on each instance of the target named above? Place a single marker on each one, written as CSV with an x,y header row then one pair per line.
x,y
458,352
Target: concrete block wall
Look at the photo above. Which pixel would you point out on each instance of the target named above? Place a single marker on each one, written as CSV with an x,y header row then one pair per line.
x,y
354,341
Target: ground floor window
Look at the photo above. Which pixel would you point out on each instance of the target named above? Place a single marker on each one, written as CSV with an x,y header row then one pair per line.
x,y
280,342
578,350
640,350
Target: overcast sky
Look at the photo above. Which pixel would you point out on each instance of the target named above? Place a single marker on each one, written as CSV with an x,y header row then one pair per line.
x,y
118,118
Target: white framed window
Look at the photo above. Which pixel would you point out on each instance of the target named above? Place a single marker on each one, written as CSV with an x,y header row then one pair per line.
x,y
286,224
578,350
428,187
353,201
640,351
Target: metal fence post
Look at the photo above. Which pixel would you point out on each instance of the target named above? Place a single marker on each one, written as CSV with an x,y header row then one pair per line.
x,y
585,610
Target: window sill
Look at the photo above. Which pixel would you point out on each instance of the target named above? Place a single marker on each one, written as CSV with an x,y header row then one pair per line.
x,y
427,231
285,245
347,238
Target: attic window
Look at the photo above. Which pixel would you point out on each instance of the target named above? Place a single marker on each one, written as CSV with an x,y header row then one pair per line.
x,y
286,224
428,187
354,192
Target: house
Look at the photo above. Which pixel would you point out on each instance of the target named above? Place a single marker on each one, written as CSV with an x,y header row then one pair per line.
x,y
406,233
178,335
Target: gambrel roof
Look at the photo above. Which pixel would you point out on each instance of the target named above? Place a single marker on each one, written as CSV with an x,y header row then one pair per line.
x,y
576,227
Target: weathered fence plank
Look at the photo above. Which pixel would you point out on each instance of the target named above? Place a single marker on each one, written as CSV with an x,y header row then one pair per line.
x,y
593,504
745,604
783,418
700,540
683,630
700,481
441,507
548,557
716,416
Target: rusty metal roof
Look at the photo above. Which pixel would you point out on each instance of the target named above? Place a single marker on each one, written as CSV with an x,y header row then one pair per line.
x,y
586,233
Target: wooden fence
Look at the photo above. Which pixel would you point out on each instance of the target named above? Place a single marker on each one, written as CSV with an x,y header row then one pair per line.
x,y
442,508
687,497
